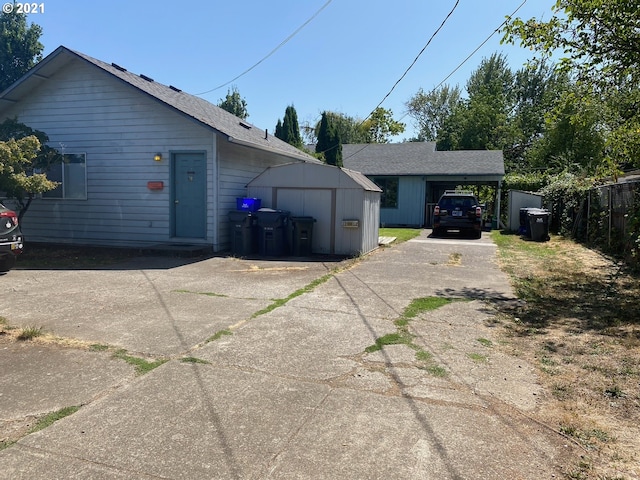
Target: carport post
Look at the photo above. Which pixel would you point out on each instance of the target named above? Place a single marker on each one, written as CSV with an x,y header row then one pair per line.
x,y
496,212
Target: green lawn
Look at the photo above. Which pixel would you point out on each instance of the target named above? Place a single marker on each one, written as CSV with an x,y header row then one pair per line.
x,y
401,234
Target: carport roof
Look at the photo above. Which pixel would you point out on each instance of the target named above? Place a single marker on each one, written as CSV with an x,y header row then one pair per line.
x,y
421,158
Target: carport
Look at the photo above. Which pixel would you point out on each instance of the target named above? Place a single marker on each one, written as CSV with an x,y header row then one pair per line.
x,y
413,176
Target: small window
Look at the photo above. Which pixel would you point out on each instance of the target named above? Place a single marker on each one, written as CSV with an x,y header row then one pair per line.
x,y
71,173
389,186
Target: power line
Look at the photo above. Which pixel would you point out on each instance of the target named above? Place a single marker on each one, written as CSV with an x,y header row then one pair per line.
x,y
417,57
407,70
455,69
479,46
272,51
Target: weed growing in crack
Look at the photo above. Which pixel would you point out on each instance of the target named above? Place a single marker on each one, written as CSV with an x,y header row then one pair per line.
x,y
142,366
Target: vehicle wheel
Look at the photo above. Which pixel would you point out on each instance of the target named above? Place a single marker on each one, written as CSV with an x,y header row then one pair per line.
x,y
436,232
7,262
477,234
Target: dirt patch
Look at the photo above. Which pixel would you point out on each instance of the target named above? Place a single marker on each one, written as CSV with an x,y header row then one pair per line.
x,y
580,327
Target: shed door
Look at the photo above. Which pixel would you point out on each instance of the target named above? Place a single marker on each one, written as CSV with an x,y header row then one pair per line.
x,y
189,195
316,203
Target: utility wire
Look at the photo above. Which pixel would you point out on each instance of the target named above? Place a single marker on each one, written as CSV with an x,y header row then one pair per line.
x,y
271,52
458,67
405,73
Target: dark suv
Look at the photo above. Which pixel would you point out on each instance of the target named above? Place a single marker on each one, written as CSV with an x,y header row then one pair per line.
x,y
10,239
459,211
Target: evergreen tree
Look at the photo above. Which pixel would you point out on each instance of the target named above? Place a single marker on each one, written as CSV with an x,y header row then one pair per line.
x,y
234,103
329,143
289,130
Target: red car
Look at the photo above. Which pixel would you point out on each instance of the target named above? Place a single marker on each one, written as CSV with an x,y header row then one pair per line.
x,y
10,238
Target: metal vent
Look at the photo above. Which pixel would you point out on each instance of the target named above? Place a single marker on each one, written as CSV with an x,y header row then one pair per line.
x,y
144,77
118,67
175,89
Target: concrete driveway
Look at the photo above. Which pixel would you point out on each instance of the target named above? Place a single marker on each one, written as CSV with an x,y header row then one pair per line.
x,y
291,393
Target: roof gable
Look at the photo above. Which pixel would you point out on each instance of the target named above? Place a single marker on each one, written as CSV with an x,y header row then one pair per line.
x,y
196,108
306,175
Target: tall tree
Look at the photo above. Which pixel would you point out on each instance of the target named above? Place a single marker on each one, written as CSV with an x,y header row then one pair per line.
x,y
430,109
289,130
20,47
234,103
23,159
482,121
598,41
329,142
349,128
380,125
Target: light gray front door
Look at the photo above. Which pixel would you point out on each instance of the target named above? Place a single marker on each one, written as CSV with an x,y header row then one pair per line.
x,y
189,197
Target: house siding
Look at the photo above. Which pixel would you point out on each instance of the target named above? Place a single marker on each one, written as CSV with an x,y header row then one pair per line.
x,y
411,204
84,111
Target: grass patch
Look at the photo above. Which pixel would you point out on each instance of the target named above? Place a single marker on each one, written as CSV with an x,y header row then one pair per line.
x,y
403,337
485,342
98,347
194,360
141,365
478,357
425,304
282,301
580,326
29,333
401,234
218,335
53,417
397,338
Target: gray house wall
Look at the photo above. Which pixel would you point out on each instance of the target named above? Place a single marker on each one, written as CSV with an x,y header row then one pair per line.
x,y
410,209
119,130
86,110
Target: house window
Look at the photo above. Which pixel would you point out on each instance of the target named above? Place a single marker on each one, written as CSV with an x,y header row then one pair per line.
x,y
389,186
71,173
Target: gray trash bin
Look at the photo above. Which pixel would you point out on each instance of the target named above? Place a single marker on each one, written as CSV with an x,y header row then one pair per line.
x,y
272,232
539,225
244,233
301,236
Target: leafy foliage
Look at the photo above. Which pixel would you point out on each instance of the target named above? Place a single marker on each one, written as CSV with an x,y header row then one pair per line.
x,y
430,109
23,154
21,48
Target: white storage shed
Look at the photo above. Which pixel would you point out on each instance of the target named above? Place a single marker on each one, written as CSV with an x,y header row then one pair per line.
x,y
344,203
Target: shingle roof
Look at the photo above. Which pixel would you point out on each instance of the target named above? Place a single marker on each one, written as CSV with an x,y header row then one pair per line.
x,y
420,158
194,107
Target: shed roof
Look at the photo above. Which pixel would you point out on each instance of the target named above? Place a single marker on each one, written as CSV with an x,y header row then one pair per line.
x,y
200,110
421,158
309,175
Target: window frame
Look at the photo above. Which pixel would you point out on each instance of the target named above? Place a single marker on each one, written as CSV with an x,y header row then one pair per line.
x,y
390,194
64,174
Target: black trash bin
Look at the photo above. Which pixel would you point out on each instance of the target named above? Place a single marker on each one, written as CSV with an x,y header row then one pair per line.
x,y
244,233
272,232
539,224
301,236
